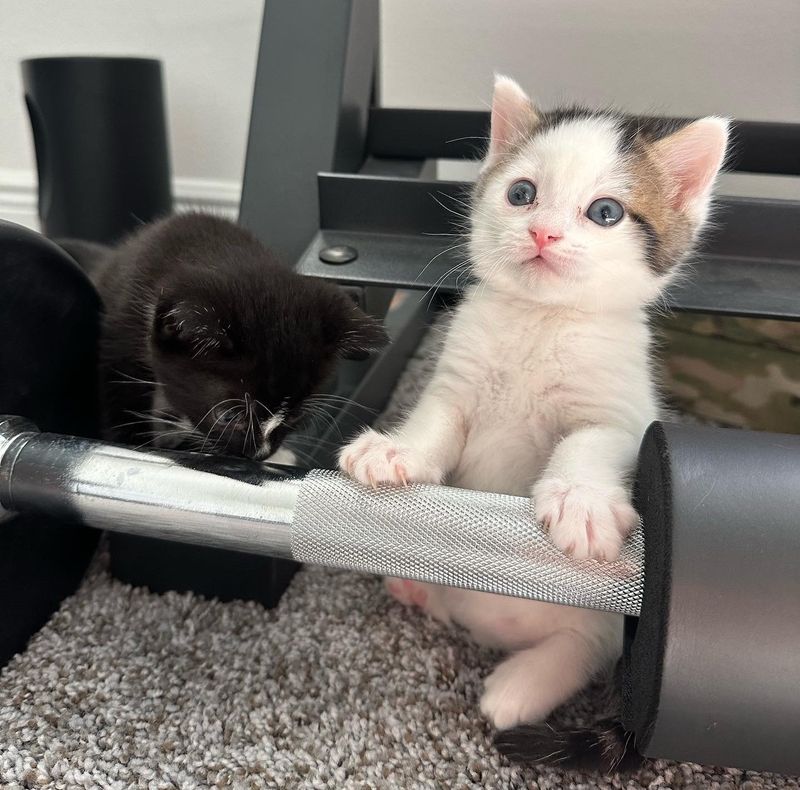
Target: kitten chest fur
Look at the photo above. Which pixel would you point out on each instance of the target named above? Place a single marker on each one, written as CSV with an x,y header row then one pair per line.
x,y
527,375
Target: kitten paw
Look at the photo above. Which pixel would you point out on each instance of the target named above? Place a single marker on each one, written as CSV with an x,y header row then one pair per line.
x,y
584,520
374,458
407,592
427,597
510,698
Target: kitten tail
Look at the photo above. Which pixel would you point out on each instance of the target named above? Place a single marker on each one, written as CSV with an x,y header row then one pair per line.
x,y
605,747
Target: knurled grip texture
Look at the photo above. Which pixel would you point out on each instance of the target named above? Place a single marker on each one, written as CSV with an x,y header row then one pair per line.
x,y
458,538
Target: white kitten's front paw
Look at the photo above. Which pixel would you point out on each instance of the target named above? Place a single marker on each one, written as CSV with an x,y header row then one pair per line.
x,y
584,520
375,458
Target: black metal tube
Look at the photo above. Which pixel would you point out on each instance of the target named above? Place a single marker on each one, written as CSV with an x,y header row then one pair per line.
x,y
713,671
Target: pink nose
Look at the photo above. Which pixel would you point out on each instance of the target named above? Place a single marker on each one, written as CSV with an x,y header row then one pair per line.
x,y
542,237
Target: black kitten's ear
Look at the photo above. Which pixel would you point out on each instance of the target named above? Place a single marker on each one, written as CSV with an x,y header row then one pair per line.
x,y
194,330
362,336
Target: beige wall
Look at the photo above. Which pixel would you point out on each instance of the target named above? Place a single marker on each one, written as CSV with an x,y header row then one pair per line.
x,y
209,52
732,57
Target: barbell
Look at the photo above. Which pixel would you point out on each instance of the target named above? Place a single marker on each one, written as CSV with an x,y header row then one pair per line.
x,y
709,582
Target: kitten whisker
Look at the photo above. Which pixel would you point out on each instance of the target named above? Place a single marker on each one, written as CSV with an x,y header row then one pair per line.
x,y
469,137
215,406
233,432
134,380
306,458
221,417
311,441
464,265
323,413
338,399
264,406
317,411
438,255
161,435
447,208
145,421
251,425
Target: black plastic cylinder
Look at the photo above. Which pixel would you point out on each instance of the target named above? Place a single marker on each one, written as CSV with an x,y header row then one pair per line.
x,y
712,669
100,134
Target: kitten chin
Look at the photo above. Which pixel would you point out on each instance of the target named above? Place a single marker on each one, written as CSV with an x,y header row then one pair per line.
x,y
208,342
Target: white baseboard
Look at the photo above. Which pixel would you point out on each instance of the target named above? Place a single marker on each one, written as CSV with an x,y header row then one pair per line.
x,y
18,196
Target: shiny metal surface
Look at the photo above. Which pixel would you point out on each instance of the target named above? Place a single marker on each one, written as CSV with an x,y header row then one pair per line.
x,y
438,534
14,432
231,504
470,539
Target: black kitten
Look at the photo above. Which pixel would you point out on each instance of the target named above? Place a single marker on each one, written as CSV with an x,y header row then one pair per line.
x,y
210,343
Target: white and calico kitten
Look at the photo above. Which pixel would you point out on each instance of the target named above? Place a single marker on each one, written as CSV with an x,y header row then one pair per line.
x,y
544,387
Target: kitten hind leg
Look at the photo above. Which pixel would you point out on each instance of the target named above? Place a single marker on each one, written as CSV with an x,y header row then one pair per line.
x,y
530,684
428,597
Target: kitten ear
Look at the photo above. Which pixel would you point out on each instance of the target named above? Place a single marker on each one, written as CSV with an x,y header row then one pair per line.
x,y
691,159
362,335
184,328
513,117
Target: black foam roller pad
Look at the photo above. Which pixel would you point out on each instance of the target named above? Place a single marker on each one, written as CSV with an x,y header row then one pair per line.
x,y
49,317
712,666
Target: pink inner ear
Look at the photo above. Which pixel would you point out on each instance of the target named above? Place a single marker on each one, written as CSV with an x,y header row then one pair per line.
x,y
692,158
512,116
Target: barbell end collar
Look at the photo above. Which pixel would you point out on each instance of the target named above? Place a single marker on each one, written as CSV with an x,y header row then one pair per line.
x,y
14,433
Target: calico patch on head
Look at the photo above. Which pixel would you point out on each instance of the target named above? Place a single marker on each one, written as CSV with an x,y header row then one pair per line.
x,y
218,341
586,208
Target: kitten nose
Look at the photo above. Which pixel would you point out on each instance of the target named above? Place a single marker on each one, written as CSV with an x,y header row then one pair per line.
x,y
542,236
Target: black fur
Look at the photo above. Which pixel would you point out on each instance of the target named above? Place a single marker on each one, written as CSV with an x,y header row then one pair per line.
x,y
652,243
637,130
634,129
561,115
198,312
606,747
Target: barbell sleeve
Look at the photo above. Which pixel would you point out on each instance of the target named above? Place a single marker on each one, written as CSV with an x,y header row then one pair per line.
x,y
437,534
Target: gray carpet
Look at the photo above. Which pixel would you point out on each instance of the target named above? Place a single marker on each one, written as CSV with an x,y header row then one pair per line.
x,y
338,688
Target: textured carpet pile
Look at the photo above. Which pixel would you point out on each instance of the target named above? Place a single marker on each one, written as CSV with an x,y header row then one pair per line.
x,y
338,687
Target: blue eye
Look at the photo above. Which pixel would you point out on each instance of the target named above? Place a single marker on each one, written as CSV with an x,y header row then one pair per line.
x,y
521,193
605,212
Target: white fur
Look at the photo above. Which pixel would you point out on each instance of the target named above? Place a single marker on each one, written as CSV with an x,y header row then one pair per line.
x,y
543,389
283,455
265,450
272,423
